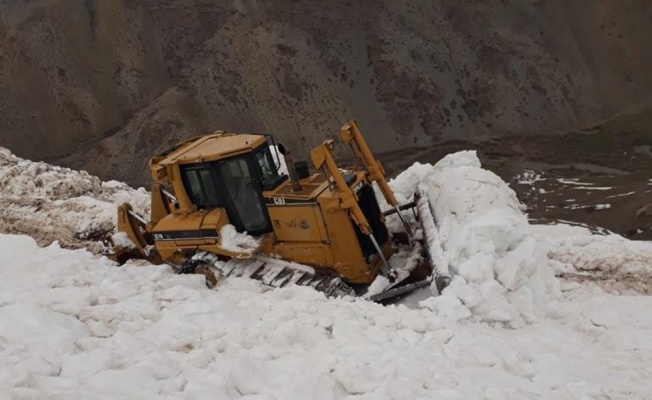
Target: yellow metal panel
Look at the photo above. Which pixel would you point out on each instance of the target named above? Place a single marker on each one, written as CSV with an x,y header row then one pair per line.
x,y
214,147
215,219
347,255
312,187
297,223
180,222
305,253
189,231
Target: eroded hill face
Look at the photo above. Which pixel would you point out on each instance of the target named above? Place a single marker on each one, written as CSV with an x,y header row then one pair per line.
x,y
101,85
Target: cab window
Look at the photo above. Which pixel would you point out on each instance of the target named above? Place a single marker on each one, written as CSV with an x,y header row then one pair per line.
x,y
200,187
269,175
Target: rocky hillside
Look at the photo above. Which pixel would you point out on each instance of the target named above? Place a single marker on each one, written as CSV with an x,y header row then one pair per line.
x,y
100,85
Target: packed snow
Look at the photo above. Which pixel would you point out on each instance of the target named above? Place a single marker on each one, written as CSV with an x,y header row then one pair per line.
x,y
613,262
499,271
53,203
74,325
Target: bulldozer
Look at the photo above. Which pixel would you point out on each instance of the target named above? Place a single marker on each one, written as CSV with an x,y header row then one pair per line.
x,y
320,227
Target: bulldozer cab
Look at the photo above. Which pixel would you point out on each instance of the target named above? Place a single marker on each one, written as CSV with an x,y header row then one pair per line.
x,y
232,182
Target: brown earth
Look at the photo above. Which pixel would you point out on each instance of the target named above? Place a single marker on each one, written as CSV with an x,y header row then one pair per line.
x,y
599,176
101,85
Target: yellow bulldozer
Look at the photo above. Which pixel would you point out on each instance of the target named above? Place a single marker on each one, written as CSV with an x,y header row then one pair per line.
x,y
320,227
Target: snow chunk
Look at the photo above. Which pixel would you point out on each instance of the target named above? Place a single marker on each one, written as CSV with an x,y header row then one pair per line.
x,y
237,242
529,177
121,239
377,286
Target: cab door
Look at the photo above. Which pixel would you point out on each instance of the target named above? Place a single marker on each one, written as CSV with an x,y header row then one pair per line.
x,y
243,192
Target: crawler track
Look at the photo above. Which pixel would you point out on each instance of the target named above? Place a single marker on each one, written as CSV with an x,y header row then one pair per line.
x,y
276,273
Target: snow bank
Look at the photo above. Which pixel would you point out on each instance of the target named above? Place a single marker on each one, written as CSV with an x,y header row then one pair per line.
x,y
53,203
615,264
74,326
612,254
499,270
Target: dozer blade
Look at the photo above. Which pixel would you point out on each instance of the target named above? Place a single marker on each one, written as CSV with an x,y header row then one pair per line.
x,y
425,263
434,254
400,291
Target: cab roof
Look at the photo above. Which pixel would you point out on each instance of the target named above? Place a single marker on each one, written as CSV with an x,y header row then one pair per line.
x,y
215,146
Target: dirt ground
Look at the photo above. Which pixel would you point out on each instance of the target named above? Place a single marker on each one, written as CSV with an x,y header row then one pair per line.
x,y
599,176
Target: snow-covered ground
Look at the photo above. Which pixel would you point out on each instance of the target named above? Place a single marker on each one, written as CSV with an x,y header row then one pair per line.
x,y
75,326
54,203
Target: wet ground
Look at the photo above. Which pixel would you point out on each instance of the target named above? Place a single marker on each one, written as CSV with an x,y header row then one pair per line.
x,y
599,176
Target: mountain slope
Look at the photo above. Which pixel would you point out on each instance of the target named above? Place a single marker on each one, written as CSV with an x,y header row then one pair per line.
x,y
103,85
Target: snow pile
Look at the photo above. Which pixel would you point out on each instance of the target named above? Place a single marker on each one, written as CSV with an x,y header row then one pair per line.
x,y
232,240
499,270
612,254
54,203
577,251
121,240
72,326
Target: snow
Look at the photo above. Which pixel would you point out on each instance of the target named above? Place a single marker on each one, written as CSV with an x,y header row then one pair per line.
x,y
232,240
594,207
75,325
54,203
593,187
499,270
573,182
559,230
121,239
377,286
529,177
606,253
621,195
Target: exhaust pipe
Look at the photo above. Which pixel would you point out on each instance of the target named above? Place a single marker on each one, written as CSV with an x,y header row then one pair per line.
x,y
292,170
